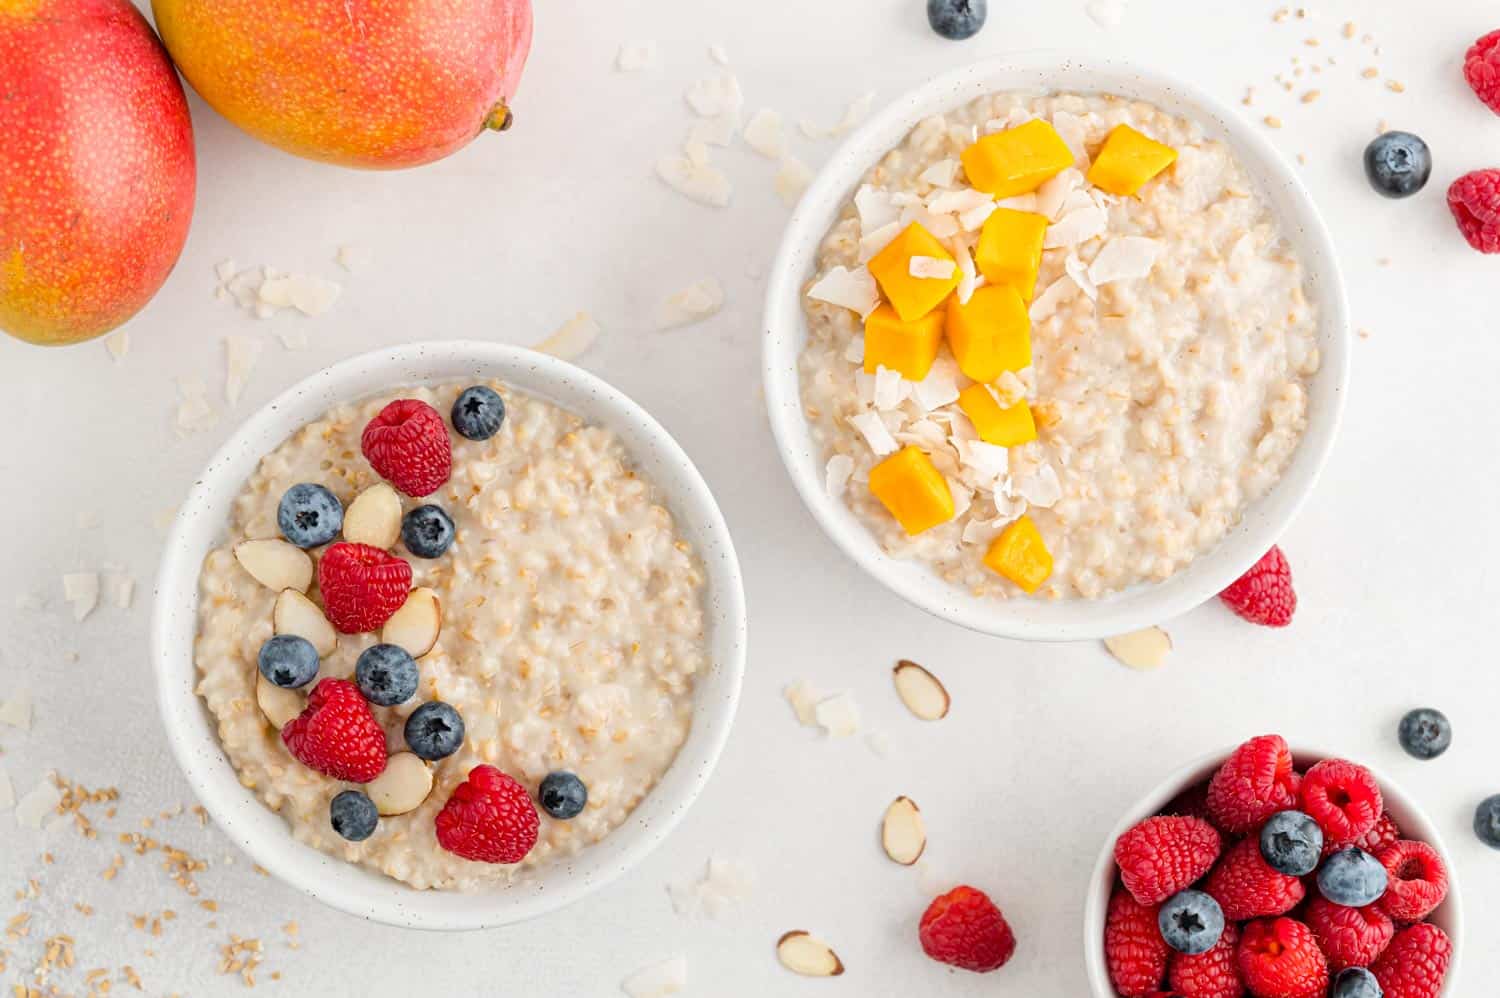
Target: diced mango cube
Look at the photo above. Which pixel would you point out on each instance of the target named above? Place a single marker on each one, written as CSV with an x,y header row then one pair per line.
x,y
912,297
991,334
1010,249
1127,160
1017,160
909,485
1020,554
908,347
1004,427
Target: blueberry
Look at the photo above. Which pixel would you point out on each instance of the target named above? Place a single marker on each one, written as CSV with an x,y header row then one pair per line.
x,y
1398,164
1487,821
957,19
288,661
1191,922
434,731
1425,733
1356,982
562,795
353,815
427,531
386,674
1352,877
309,515
478,413
1291,843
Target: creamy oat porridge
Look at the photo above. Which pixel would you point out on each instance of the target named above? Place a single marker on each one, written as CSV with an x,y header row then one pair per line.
x,y
1057,345
559,613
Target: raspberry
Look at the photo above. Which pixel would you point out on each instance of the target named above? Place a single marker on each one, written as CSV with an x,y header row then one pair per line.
x,y
362,586
1278,958
1133,947
1376,840
1264,595
1254,783
1418,880
1350,937
336,734
1474,200
1415,963
964,929
488,818
1246,886
1343,798
407,444
1482,70
1214,974
1162,855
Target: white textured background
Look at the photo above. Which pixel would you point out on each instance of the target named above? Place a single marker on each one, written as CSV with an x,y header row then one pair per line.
x,y
1045,746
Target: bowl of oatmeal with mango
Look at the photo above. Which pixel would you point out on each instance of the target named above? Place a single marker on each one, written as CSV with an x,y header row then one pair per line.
x,y
1055,348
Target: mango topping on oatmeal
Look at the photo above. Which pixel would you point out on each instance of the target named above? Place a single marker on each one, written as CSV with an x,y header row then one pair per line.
x,y
1128,160
1020,554
911,487
995,424
913,297
1010,249
908,347
991,334
1017,160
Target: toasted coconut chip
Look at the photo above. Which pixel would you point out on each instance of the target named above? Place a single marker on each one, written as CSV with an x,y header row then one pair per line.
x,y
1124,258
855,113
635,56
1106,13
1142,650
657,980
692,176
766,134
924,695
572,338
986,463
16,711
973,220
852,289
715,95
693,303
902,833
807,955
836,475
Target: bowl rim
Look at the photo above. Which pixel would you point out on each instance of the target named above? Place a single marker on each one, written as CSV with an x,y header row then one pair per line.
x,y
1414,824
1140,606
364,893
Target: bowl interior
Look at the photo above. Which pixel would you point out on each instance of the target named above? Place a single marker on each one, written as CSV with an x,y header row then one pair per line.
x,y
265,835
786,332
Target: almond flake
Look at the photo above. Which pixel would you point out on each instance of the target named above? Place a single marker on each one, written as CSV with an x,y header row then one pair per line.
x,y
275,564
838,715
657,980
902,834
16,712
807,955
693,303
921,691
635,56
874,430
931,268
792,178
695,179
81,589
1141,650
354,257
118,344
715,95
836,475
1124,258
572,338
40,801
764,133
852,289
240,354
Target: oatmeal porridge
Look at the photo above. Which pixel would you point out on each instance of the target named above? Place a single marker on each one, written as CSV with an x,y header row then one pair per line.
x,y
552,612
1056,346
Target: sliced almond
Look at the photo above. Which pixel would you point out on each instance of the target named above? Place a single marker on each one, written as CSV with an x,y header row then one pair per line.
x,y
1143,650
902,834
416,625
807,955
276,564
296,614
921,691
374,517
278,704
403,786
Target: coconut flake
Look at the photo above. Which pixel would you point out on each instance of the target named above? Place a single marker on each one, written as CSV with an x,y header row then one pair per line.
x,y
836,475
1106,13
969,279
888,388
1053,193
240,355
293,338
764,133
657,980
81,589
118,344
121,591
931,268
958,202
1073,130
40,801
1078,225
852,289
1008,389
973,219
724,885
940,174
804,700
941,226
1045,305
572,338
16,712
1124,258
1041,488
838,715
986,463
939,388
873,429
7,791
693,303
692,176
792,178
856,112
193,409
962,495
635,56
877,208
715,95
874,242
854,350
306,293
716,131
1079,272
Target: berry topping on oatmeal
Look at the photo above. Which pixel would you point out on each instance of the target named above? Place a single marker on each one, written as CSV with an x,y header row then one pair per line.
x,y
309,515
489,818
386,675
478,412
288,661
336,734
353,815
563,795
434,731
427,531
361,586
407,444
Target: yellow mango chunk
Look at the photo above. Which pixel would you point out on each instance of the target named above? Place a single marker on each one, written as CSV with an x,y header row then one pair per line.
x,y
1127,160
1010,249
1020,554
912,297
1003,427
908,347
1017,160
991,334
909,485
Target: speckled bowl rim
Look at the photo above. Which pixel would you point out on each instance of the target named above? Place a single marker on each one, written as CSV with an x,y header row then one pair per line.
x,y
1410,818
786,332
264,835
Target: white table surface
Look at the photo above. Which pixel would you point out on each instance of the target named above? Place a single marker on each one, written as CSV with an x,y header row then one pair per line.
x,y
1045,745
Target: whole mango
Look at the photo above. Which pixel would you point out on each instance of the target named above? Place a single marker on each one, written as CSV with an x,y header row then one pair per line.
x,y
378,84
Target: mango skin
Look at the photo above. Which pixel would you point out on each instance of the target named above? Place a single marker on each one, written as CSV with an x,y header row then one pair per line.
x,y
375,84
97,170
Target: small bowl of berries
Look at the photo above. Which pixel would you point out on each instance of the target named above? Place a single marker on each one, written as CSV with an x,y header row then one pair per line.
x,y
1276,871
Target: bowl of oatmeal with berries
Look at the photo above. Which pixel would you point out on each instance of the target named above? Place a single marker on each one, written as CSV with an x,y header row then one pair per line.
x,y
449,635
1055,347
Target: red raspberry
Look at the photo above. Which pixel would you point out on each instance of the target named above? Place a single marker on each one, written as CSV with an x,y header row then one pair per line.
x,y
1418,880
407,443
1254,783
1474,200
964,929
1482,70
1415,963
362,586
1162,855
336,734
1133,947
1376,840
1214,974
1264,595
1343,798
1350,937
1278,958
1246,886
488,818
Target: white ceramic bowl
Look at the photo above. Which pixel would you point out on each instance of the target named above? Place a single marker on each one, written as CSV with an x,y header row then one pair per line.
x,y
1414,824
786,332
266,836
